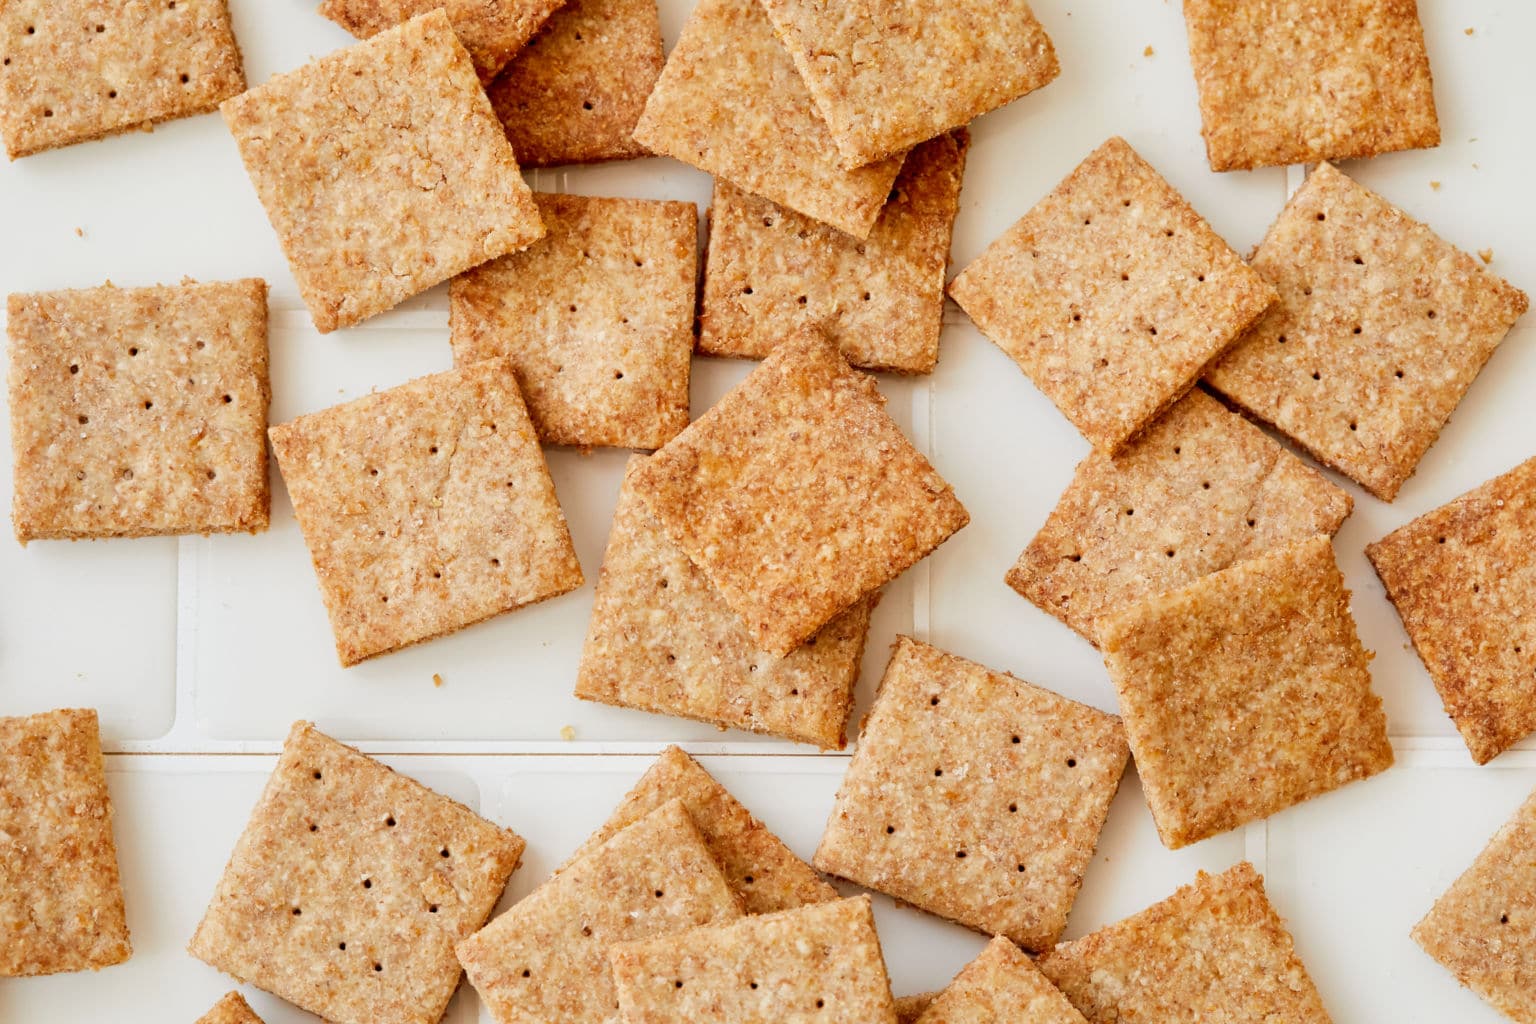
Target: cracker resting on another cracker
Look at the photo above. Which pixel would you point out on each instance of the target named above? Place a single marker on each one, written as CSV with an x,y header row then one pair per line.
x,y
491,30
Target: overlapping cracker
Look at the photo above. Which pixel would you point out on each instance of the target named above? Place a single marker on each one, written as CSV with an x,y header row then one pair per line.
x,y
350,885
426,508
574,93
975,796
1463,578
546,958
1213,951
771,270
383,170
797,495
661,640
81,70
765,874
1199,490
1001,986
731,103
1483,928
232,1009
139,411
1112,294
819,964
1295,81
888,74
491,30
596,317
910,1008
61,907
1380,329
1245,692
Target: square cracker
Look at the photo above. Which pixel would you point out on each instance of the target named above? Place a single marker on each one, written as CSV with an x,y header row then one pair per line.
x,y
1112,294
426,508
770,270
797,494
350,885
1245,692
819,964
383,170
1214,950
1295,81
764,873
1001,986
232,1009
596,317
660,640
1463,578
546,958
491,30
1199,490
574,93
76,70
974,795
61,908
1483,928
888,74
731,103
139,411
1380,329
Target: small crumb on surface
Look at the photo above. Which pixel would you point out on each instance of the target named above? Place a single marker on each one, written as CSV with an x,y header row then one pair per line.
x,y
437,680
1486,255
1468,31
567,733
1435,185
1148,52
79,232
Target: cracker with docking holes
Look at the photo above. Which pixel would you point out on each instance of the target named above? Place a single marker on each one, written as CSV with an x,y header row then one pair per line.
x,y
491,30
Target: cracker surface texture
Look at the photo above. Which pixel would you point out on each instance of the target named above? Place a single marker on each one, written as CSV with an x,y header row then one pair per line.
x,y
1112,294
1001,986
139,411
232,1009
910,1008
975,796
491,30
383,169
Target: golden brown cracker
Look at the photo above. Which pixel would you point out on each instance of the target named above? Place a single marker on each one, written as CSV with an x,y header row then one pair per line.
x,y
232,1009
491,30
1000,986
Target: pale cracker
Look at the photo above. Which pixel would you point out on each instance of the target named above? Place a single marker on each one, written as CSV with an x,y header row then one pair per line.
x,y
491,30
232,1009
1001,986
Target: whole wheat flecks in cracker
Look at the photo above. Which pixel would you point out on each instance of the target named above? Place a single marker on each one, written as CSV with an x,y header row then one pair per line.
x,y
491,30
910,1008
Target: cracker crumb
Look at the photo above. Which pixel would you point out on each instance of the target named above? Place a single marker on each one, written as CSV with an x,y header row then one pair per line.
x,y
1435,185
1148,52
1486,255
567,733
79,232
437,680
1468,31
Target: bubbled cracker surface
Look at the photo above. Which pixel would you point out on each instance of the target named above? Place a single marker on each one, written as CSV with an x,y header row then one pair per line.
x,y
1215,952
79,70
962,777
889,74
139,411
426,508
1463,578
1199,490
383,170
491,30
61,901
546,958
1001,986
731,103
1112,294
1245,692
1299,81
661,640
1380,329
350,885
232,1009
797,494
596,318
771,270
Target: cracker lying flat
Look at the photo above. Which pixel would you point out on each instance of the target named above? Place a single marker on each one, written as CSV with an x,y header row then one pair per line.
x,y
771,270
660,640
1001,986
887,75
1463,578
574,93
1112,294
426,508
81,70
1213,951
1295,81
350,885
61,907
546,958
139,411
232,1009
797,494
974,795
383,170
1380,329
1199,490
1245,692
1483,928
819,964
910,1008
596,317
491,30
730,102
764,873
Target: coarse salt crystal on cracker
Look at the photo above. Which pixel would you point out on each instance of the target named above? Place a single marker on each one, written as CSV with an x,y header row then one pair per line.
x,y
491,30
